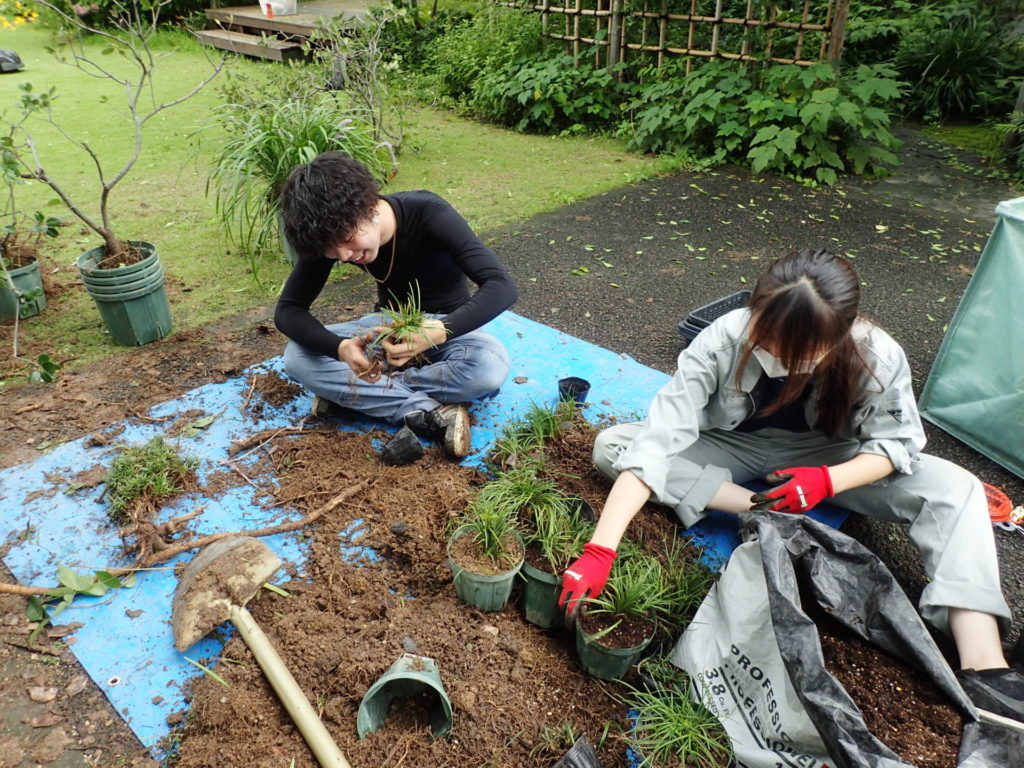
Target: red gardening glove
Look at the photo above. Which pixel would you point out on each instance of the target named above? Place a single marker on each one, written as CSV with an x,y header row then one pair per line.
x,y
587,576
801,488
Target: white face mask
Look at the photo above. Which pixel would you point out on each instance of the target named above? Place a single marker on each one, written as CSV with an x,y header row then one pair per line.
x,y
775,368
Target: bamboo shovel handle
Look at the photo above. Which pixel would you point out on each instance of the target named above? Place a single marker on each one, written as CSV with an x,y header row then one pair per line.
x,y
294,700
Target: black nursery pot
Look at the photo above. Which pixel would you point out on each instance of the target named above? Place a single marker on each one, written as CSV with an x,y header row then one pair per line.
x,y
573,388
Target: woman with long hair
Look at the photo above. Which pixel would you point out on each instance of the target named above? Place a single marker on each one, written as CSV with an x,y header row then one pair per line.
x,y
800,390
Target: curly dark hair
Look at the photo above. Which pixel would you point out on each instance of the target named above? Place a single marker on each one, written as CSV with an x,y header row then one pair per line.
x,y
324,202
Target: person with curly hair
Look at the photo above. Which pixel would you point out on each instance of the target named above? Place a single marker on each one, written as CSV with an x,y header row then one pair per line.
x,y
416,247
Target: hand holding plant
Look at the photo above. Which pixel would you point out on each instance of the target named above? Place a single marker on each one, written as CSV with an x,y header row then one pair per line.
x,y
400,349
353,352
586,577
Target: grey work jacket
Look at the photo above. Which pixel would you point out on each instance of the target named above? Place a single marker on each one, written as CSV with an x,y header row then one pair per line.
x,y
703,395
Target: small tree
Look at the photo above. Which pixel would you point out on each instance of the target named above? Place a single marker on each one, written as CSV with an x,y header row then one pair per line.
x,y
134,23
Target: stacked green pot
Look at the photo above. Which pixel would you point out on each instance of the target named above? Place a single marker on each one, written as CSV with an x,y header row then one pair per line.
x,y
600,660
541,591
28,283
486,591
131,299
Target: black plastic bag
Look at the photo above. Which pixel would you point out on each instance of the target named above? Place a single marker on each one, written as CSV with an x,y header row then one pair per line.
x,y
755,657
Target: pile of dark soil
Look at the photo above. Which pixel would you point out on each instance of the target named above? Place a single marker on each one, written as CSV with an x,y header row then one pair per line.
x,y
511,684
901,707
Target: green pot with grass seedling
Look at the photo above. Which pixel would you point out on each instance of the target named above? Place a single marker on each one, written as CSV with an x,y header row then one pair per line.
x,y
485,552
612,630
556,538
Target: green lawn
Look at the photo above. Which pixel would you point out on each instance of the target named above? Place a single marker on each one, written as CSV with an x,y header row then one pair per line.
x,y
493,176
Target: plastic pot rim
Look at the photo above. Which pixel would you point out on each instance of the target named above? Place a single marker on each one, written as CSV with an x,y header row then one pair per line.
x,y
86,269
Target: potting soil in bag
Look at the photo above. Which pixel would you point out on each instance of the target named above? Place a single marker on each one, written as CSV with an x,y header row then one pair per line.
x,y
755,657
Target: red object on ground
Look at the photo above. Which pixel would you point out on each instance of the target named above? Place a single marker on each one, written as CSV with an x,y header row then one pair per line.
x,y
999,505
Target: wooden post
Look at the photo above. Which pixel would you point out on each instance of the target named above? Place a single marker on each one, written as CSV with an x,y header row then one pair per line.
x,y
576,32
837,36
715,30
614,40
662,33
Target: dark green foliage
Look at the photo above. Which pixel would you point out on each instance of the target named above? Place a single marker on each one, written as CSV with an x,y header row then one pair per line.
x,y
1012,155
488,43
549,94
959,66
959,56
105,14
807,122
412,33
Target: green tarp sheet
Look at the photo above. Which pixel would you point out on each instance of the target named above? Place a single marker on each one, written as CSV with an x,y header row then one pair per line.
x,y
975,390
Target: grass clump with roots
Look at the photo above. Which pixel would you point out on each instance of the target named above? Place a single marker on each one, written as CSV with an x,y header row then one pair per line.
x,y
144,477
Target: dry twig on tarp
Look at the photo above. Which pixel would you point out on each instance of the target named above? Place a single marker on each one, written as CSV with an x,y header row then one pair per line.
x,y
177,549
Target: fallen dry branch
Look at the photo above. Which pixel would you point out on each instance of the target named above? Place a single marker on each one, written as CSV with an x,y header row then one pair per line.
x,y
263,438
177,549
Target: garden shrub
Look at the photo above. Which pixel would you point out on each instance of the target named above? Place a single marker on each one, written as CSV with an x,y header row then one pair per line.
x,y
956,54
959,64
1011,155
549,94
489,43
807,122
413,32
104,14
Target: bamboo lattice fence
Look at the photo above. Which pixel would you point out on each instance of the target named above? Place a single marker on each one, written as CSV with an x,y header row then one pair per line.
x,y
802,32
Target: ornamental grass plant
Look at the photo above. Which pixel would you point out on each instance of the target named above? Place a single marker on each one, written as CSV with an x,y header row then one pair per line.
x,y
636,589
494,532
144,476
672,729
272,122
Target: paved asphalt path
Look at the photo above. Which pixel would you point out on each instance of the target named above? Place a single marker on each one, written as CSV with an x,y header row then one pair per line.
x,y
621,270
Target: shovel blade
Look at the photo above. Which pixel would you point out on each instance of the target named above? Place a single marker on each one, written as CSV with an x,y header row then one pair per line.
x,y
225,573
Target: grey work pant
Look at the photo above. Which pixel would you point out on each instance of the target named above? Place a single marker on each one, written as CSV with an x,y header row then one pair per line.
x,y
943,504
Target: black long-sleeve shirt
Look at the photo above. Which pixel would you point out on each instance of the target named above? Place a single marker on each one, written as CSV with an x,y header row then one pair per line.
x,y
435,249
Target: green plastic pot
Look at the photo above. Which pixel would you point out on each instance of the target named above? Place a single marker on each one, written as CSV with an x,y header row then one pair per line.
x,y
486,591
132,300
27,282
601,661
540,596
407,678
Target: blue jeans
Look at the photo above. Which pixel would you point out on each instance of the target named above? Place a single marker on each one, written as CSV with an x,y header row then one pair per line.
x,y
469,367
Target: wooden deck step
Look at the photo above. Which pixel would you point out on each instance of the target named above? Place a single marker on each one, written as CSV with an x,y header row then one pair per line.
x,y
252,45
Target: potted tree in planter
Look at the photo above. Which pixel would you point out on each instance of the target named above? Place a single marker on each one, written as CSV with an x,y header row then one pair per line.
x,y
485,552
124,277
614,628
21,285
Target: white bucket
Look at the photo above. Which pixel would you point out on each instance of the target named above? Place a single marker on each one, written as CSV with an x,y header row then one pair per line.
x,y
274,8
